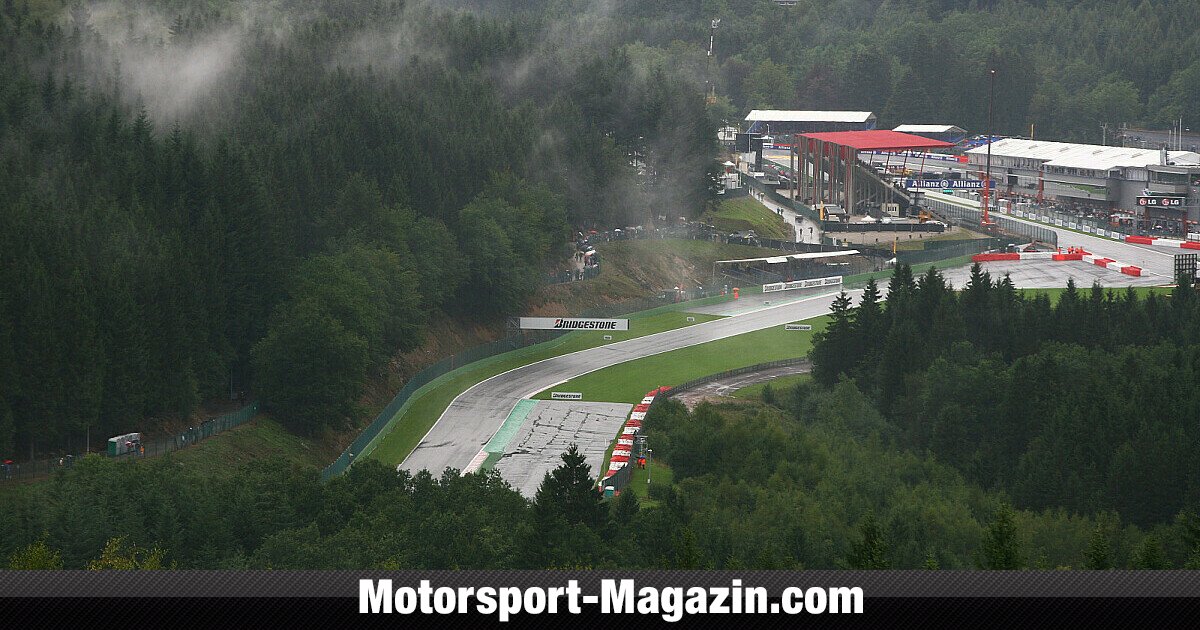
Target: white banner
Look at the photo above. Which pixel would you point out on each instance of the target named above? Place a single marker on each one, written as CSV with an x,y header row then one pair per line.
x,y
572,323
802,284
797,327
566,396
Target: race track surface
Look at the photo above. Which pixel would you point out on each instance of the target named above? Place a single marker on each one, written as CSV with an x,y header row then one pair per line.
x,y
730,384
471,419
457,438
1048,274
550,429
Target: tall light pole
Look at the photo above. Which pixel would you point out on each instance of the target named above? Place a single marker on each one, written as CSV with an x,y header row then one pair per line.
x,y
649,465
711,96
987,177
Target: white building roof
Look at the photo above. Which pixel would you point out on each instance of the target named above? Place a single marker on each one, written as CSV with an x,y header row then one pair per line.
x,y
1082,156
929,129
781,115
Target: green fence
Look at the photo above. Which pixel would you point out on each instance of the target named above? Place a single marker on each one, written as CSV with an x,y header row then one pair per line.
x,y
942,250
148,448
383,423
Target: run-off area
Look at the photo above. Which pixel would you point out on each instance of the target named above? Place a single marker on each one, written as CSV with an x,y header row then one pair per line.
x,y
548,429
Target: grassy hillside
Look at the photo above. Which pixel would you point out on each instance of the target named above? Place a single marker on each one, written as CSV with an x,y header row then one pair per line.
x,y
744,213
220,456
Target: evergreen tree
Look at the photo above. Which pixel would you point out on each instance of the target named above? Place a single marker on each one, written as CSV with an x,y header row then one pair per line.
x,y
871,550
569,492
832,349
1149,554
1097,554
1000,548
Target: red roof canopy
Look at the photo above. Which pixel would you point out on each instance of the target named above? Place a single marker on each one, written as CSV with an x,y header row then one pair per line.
x,y
877,140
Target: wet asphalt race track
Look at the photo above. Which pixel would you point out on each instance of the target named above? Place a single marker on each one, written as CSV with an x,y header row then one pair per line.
x,y
730,384
459,435
550,429
475,415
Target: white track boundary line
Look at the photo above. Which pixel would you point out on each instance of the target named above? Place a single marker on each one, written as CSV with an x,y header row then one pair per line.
x,y
468,390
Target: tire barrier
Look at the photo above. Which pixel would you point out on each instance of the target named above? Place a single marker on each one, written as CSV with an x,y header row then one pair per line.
x,y
1162,242
626,448
1114,265
1072,253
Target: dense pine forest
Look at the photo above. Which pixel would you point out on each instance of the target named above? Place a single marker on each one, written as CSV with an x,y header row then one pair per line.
x,y
278,197
236,196
980,428
273,198
1064,66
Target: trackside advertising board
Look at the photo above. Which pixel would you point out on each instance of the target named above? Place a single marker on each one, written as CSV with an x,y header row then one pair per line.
x,y
802,284
572,323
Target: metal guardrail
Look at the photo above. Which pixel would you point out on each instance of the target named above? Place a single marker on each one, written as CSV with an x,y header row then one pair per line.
x,y
759,367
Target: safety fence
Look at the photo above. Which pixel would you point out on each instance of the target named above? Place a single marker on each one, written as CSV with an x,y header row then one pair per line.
x,y
972,217
952,249
146,448
1098,225
526,339
883,227
573,275
630,447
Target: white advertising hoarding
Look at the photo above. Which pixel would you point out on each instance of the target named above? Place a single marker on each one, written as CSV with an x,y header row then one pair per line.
x,y
572,323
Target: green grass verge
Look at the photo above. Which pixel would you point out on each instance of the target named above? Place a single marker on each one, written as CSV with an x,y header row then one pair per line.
x,y
860,280
957,234
428,403
659,474
1085,292
739,215
629,381
754,392
259,438
219,456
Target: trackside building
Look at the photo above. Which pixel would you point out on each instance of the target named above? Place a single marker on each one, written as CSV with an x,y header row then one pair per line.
x,y
945,133
775,122
1155,187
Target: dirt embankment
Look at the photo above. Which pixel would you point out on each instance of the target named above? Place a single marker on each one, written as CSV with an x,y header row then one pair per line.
x,y
630,270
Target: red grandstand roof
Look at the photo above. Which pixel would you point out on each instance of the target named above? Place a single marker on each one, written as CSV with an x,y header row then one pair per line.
x,y
877,140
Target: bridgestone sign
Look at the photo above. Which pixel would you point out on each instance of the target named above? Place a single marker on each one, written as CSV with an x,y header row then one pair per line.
x,y
797,327
802,284
572,323
566,396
